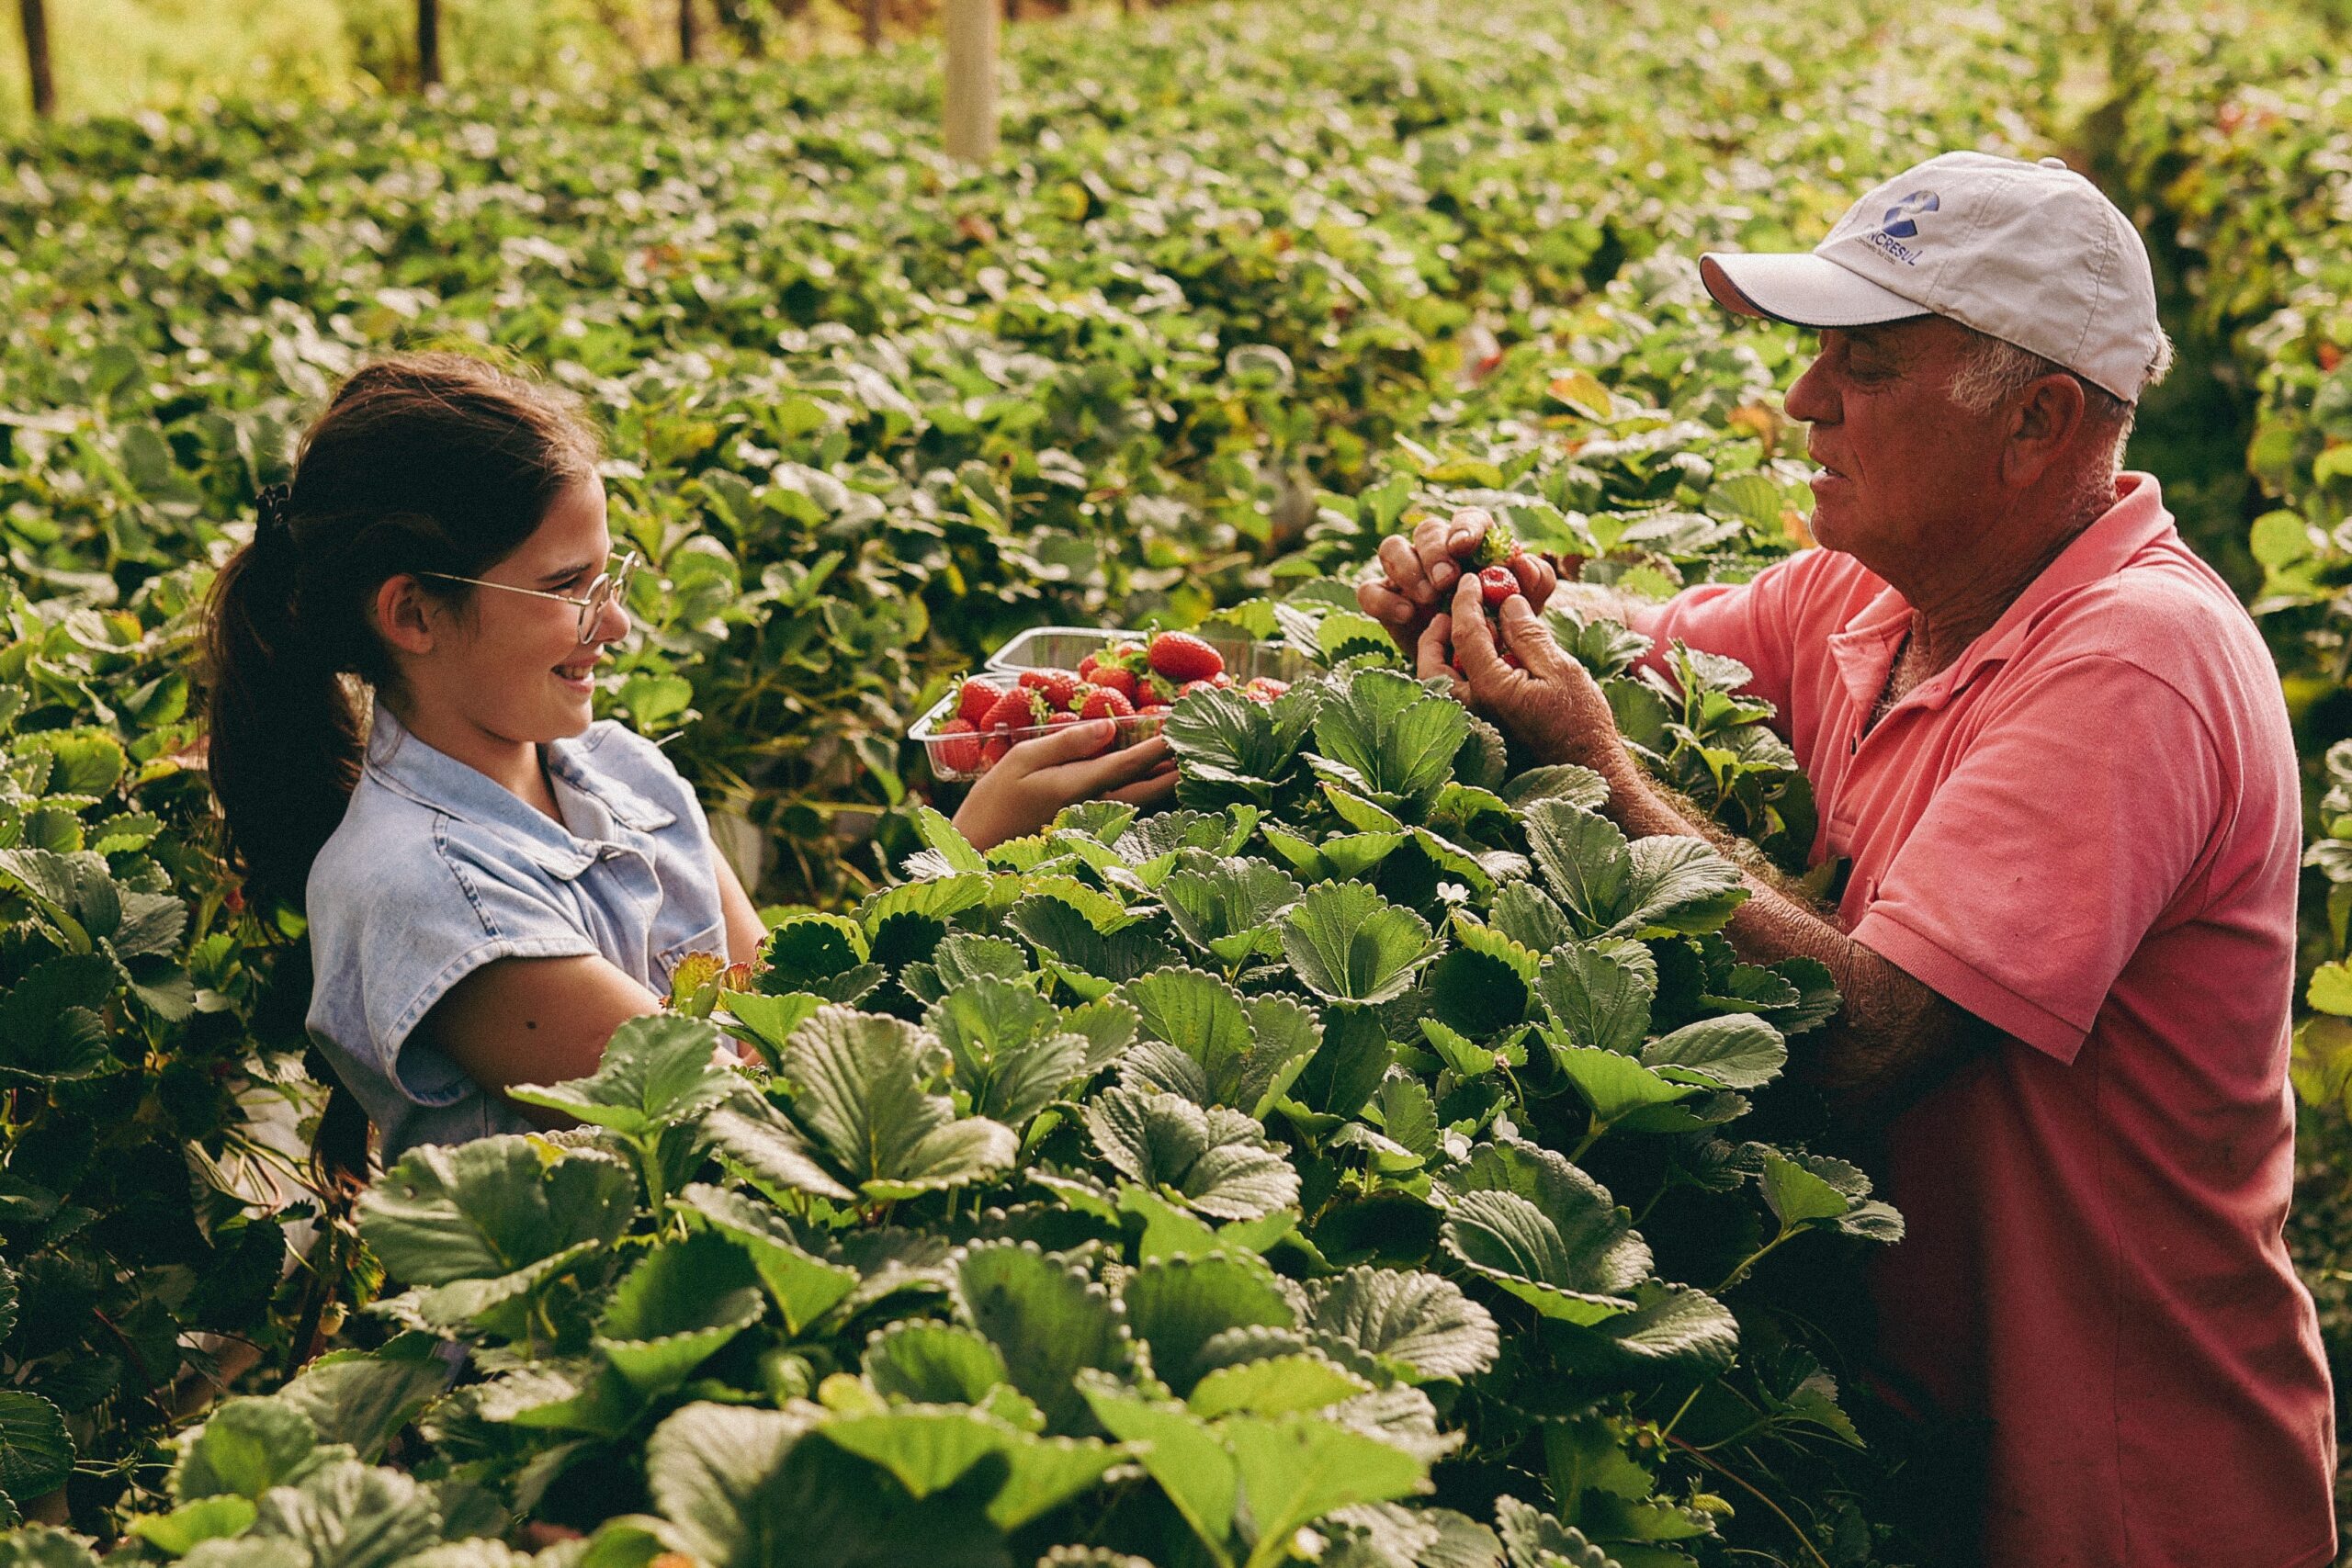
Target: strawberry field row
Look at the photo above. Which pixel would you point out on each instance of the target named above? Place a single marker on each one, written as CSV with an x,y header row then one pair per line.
x,y
1233,1092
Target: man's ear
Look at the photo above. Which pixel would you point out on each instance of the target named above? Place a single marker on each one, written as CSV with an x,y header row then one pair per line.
x,y
2045,422
403,615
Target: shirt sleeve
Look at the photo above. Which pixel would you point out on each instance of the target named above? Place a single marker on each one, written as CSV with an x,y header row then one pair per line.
x,y
1753,622
2071,823
421,933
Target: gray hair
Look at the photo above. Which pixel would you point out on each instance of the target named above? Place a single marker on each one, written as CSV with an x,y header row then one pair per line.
x,y
1992,370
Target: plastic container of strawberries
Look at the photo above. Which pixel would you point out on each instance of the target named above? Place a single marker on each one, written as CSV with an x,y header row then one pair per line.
x,y
952,756
1062,647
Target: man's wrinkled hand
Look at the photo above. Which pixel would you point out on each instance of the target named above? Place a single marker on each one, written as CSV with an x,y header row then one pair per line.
x,y
1417,573
1549,705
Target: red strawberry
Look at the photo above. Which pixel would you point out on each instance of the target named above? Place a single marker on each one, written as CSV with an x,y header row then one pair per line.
x,y
1222,680
1265,689
1189,687
958,746
994,751
972,704
1061,720
1151,709
1104,703
1114,678
1057,684
1156,688
1020,708
1182,657
1130,656
1496,584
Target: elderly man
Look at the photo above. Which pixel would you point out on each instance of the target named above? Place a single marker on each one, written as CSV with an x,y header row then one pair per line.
x,y
2053,749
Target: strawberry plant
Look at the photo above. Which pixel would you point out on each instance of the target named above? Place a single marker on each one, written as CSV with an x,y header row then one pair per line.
x,y
1170,1184
154,1187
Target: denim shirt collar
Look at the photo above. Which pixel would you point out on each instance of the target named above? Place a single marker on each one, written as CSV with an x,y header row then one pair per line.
x,y
400,763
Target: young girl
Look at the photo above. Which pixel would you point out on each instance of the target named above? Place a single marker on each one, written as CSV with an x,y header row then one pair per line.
x,y
493,881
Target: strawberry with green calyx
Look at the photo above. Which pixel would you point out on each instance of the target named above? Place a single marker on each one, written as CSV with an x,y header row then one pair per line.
x,y
1499,545
1155,690
1114,678
972,702
1102,702
1182,657
1024,707
957,745
1060,685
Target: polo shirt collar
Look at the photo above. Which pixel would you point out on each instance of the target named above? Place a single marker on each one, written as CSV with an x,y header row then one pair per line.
x,y
402,763
1865,648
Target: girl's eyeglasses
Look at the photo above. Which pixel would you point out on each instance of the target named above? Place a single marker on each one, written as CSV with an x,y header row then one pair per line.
x,y
613,585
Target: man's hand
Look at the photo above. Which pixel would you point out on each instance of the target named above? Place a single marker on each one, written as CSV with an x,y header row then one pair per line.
x,y
1415,574
1549,703
1037,778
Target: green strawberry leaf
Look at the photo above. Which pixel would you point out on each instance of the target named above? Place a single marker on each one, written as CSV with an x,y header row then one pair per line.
x,y
1348,943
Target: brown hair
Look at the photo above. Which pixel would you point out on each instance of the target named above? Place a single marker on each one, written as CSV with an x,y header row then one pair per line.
x,y
421,462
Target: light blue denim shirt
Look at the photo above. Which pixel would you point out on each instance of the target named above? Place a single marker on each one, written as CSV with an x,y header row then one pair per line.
x,y
437,869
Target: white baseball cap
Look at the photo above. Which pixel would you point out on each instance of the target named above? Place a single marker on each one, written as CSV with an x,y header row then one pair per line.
x,y
2032,254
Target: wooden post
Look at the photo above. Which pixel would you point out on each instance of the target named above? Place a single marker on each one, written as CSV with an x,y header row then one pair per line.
x,y
686,31
36,22
428,43
869,23
972,34
35,28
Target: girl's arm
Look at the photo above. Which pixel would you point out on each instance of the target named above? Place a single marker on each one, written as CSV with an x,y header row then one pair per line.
x,y
535,1021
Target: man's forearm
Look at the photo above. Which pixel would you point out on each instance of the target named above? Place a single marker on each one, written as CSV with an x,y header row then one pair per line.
x,y
1893,1037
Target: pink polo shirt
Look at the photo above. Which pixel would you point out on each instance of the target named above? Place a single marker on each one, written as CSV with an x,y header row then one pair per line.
x,y
2086,833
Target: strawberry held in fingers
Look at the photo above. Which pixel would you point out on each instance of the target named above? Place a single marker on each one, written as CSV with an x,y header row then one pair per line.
x,y
1181,657
1495,584
1499,545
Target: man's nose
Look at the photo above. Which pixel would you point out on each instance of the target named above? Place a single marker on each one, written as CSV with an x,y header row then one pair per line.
x,y
1810,399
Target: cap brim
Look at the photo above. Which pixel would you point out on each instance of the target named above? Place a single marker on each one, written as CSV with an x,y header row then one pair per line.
x,y
1803,289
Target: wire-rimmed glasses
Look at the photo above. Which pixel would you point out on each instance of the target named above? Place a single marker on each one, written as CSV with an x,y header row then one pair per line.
x,y
613,583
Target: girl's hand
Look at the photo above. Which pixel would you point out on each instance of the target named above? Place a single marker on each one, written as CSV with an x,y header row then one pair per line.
x,y
1037,778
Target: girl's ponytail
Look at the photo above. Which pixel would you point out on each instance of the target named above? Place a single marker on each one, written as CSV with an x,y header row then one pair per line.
x,y
286,732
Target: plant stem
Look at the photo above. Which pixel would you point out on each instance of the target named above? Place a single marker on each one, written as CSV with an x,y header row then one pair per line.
x,y
1667,1432
1803,1540
1750,1261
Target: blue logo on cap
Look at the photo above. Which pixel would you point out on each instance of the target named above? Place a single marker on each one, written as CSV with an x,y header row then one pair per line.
x,y
1900,224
